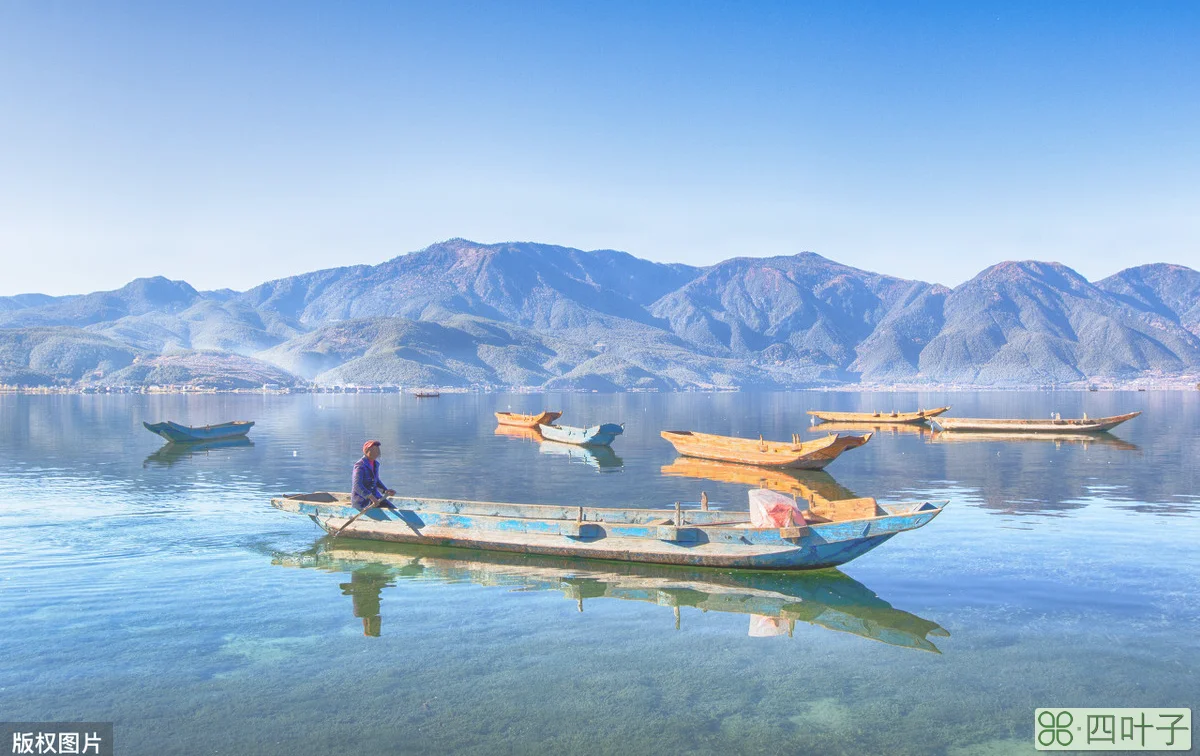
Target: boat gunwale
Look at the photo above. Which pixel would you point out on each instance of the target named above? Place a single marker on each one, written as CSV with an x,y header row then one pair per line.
x,y
914,507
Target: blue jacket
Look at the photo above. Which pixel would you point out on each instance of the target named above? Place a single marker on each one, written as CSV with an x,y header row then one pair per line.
x,y
366,483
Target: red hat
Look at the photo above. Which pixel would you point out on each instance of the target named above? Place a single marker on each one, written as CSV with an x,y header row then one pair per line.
x,y
368,445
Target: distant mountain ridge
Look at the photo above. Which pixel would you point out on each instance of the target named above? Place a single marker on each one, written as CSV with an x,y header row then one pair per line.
x,y
527,314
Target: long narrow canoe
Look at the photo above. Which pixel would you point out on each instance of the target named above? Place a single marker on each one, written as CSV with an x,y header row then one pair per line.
x,y
798,455
187,434
919,416
699,538
527,421
773,601
1071,425
597,435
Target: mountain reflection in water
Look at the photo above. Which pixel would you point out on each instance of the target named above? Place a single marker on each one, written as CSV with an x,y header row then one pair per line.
x,y
773,601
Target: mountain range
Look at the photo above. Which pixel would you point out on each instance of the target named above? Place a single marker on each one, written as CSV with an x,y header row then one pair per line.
x,y
460,313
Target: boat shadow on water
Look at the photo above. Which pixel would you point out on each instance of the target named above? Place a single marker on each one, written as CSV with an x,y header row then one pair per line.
x,y
173,452
774,601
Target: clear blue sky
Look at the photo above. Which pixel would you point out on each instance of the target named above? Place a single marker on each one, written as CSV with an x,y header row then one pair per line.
x,y
231,143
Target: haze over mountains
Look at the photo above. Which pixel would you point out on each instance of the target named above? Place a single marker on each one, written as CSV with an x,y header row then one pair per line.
x,y
523,314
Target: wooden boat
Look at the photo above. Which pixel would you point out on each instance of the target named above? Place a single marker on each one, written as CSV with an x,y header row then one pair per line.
x,y
695,537
774,601
427,394
600,457
182,434
1103,438
919,416
597,435
1071,425
809,485
527,421
798,455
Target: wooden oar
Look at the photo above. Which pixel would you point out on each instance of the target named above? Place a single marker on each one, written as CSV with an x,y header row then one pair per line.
x,y
346,524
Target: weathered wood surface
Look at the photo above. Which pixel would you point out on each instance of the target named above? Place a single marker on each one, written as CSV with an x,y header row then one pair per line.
x,y
527,421
798,455
826,598
1068,425
919,416
182,434
711,538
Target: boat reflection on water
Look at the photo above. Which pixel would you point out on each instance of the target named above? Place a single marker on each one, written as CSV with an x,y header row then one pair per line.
x,y
882,429
173,452
603,458
513,431
774,601
805,484
1084,439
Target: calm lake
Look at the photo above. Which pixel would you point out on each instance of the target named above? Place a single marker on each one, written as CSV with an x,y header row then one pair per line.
x,y
158,589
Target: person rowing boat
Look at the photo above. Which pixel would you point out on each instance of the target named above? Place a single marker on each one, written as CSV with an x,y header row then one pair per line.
x,y
366,488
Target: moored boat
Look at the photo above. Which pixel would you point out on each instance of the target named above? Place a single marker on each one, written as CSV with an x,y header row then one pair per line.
x,y
1084,424
919,416
696,537
183,434
798,455
518,420
774,601
597,435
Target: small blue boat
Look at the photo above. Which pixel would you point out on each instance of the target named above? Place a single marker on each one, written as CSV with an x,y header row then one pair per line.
x,y
186,434
597,435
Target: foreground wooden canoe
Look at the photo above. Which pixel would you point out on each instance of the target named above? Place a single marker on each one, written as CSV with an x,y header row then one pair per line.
x,y
527,421
183,434
774,601
597,435
1070,425
798,455
919,416
699,538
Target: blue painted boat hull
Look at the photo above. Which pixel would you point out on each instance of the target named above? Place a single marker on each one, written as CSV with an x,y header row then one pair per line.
x,y
597,435
184,434
704,538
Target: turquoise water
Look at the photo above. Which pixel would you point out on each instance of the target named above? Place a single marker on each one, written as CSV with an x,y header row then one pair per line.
x,y
159,589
